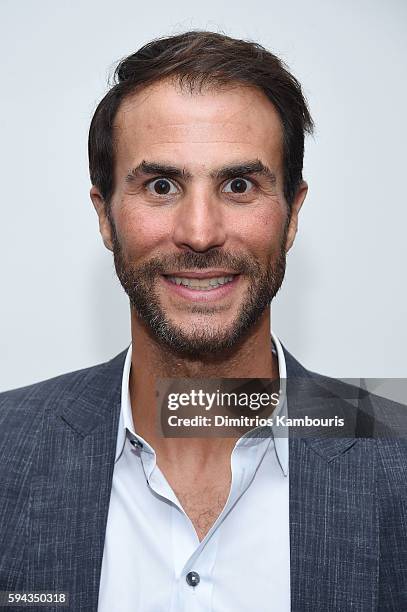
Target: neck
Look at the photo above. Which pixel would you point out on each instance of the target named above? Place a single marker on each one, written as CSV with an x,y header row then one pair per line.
x,y
250,358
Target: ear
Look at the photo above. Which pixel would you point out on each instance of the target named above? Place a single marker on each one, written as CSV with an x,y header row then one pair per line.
x,y
104,223
295,209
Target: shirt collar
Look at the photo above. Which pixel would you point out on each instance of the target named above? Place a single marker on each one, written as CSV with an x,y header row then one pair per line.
x,y
281,443
126,418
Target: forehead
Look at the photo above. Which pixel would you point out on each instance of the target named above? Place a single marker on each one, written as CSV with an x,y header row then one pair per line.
x,y
166,123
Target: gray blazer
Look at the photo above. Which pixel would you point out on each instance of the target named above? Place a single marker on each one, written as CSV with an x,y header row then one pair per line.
x,y
348,498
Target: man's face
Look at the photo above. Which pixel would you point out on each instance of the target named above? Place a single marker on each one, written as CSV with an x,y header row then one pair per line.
x,y
199,225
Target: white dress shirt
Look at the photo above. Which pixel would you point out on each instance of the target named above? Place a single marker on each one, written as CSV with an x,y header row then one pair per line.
x,y
151,545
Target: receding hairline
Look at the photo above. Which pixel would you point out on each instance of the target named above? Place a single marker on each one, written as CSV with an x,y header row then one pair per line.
x,y
210,86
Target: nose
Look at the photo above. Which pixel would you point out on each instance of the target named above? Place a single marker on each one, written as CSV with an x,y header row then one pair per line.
x,y
199,223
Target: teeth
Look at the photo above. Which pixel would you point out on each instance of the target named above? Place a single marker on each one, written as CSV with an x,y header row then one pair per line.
x,y
202,284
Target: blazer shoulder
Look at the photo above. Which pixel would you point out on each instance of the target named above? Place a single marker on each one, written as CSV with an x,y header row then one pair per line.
x,y
21,409
388,417
382,419
20,400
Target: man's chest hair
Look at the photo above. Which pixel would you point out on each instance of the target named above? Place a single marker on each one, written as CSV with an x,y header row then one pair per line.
x,y
203,504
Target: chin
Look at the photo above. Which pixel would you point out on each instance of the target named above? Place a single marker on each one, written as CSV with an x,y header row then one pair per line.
x,y
197,341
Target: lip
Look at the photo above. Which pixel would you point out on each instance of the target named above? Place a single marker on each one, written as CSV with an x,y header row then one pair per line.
x,y
194,295
201,274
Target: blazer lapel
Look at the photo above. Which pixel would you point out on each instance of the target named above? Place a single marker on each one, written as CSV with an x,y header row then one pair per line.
x,y
334,541
70,491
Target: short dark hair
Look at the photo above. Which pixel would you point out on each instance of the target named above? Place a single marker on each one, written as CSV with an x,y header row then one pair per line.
x,y
198,59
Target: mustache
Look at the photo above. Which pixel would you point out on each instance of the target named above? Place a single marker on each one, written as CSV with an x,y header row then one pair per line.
x,y
193,260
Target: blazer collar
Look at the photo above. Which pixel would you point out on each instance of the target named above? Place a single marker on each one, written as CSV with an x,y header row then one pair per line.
x,y
91,403
313,394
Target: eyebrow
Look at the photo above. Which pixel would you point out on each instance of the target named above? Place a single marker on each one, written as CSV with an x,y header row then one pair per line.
x,y
156,169
227,172
250,167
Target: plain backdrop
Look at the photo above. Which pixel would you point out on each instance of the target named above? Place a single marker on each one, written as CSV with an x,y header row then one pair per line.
x,y
342,307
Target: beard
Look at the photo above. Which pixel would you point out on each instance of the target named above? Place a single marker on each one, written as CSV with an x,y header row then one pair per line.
x,y
204,339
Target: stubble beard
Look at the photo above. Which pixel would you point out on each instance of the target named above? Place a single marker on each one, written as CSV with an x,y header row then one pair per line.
x,y
205,339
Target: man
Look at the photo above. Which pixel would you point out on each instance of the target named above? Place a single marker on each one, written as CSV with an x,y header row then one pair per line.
x,y
196,167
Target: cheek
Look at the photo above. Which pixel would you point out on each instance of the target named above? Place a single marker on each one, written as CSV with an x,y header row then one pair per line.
x,y
261,231
139,233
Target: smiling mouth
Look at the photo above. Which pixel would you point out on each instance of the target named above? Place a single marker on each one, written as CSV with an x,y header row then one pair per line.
x,y
200,284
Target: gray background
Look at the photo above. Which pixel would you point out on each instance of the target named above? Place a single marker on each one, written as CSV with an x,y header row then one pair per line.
x,y
341,309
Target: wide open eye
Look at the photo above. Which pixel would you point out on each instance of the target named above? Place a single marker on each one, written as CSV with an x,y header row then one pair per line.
x,y
162,187
238,185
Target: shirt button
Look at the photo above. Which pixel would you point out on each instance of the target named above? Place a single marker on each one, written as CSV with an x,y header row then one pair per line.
x,y
136,443
193,579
